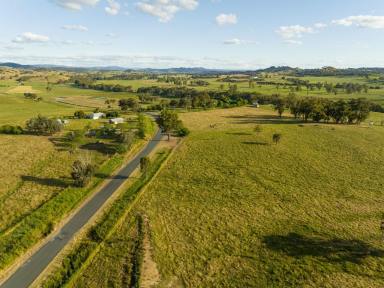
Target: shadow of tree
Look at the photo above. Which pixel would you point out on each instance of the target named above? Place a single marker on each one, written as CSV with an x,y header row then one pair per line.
x,y
99,147
106,176
255,143
45,181
61,143
239,133
263,119
332,250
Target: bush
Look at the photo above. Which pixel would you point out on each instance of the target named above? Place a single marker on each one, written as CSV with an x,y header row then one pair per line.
x,y
276,138
82,172
183,132
80,114
112,114
13,130
41,125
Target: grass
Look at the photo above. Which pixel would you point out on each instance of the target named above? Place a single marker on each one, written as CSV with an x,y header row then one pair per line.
x,y
36,193
376,95
101,237
230,209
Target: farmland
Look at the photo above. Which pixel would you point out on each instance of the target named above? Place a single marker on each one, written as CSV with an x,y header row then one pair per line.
x,y
231,208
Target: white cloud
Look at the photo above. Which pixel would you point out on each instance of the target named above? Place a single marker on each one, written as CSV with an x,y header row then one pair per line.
x,y
29,37
226,19
237,41
75,4
364,21
165,10
320,25
75,27
113,7
293,42
294,31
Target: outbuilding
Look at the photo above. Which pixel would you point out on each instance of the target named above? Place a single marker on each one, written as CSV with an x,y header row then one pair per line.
x,y
116,121
96,116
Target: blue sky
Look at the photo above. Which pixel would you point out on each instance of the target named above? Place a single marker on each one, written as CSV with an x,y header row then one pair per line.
x,y
235,34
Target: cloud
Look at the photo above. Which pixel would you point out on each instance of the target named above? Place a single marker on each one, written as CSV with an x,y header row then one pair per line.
x,y
113,8
111,35
237,41
29,37
320,25
294,31
293,42
165,10
75,27
226,19
75,5
363,21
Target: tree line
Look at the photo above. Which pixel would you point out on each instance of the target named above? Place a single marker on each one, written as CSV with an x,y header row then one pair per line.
x,y
319,109
87,83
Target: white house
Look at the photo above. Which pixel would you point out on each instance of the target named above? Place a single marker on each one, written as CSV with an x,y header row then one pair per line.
x,y
96,116
116,120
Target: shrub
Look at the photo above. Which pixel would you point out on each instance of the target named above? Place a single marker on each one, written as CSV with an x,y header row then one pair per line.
x,y
183,132
276,138
82,172
112,114
41,125
80,114
13,130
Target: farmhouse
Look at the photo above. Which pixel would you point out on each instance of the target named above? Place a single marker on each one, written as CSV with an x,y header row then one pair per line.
x,y
116,120
96,116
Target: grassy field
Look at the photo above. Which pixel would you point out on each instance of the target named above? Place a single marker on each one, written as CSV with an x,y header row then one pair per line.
x,y
231,209
376,95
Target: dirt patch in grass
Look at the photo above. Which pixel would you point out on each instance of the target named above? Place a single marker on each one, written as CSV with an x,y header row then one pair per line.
x,y
150,275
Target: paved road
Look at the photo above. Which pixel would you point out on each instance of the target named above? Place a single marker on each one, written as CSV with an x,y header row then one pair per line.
x,y
35,265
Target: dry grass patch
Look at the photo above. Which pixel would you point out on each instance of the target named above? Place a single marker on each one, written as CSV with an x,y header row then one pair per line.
x,y
22,89
231,209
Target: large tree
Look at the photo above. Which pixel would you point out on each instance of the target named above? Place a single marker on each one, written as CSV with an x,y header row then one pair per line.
x,y
168,121
41,125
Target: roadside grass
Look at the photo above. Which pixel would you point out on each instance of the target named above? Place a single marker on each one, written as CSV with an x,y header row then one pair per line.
x,y
38,192
102,238
231,209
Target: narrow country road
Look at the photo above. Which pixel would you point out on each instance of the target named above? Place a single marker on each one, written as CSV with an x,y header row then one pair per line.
x,y
35,265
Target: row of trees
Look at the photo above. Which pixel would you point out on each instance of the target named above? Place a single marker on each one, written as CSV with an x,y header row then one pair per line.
x,y
86,83
318,109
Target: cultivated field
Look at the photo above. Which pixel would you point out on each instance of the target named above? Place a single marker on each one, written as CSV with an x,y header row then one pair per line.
x,y
231,209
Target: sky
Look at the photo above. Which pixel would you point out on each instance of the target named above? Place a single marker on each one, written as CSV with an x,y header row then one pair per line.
x,y
225,34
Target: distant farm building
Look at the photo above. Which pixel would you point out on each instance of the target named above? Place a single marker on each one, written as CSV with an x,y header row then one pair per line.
x,y
62,121
116,121
256,104
96,116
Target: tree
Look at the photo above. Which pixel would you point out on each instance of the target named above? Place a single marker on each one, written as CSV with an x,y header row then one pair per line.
x,y
258,129
79,114
168,121
280,106
41,125
82,171
127,139
276,138
144,165
130,103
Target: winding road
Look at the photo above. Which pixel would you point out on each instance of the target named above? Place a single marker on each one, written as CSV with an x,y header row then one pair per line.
x,y
36,264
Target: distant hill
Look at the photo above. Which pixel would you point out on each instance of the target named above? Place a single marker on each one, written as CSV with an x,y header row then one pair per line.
x,y
325,71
